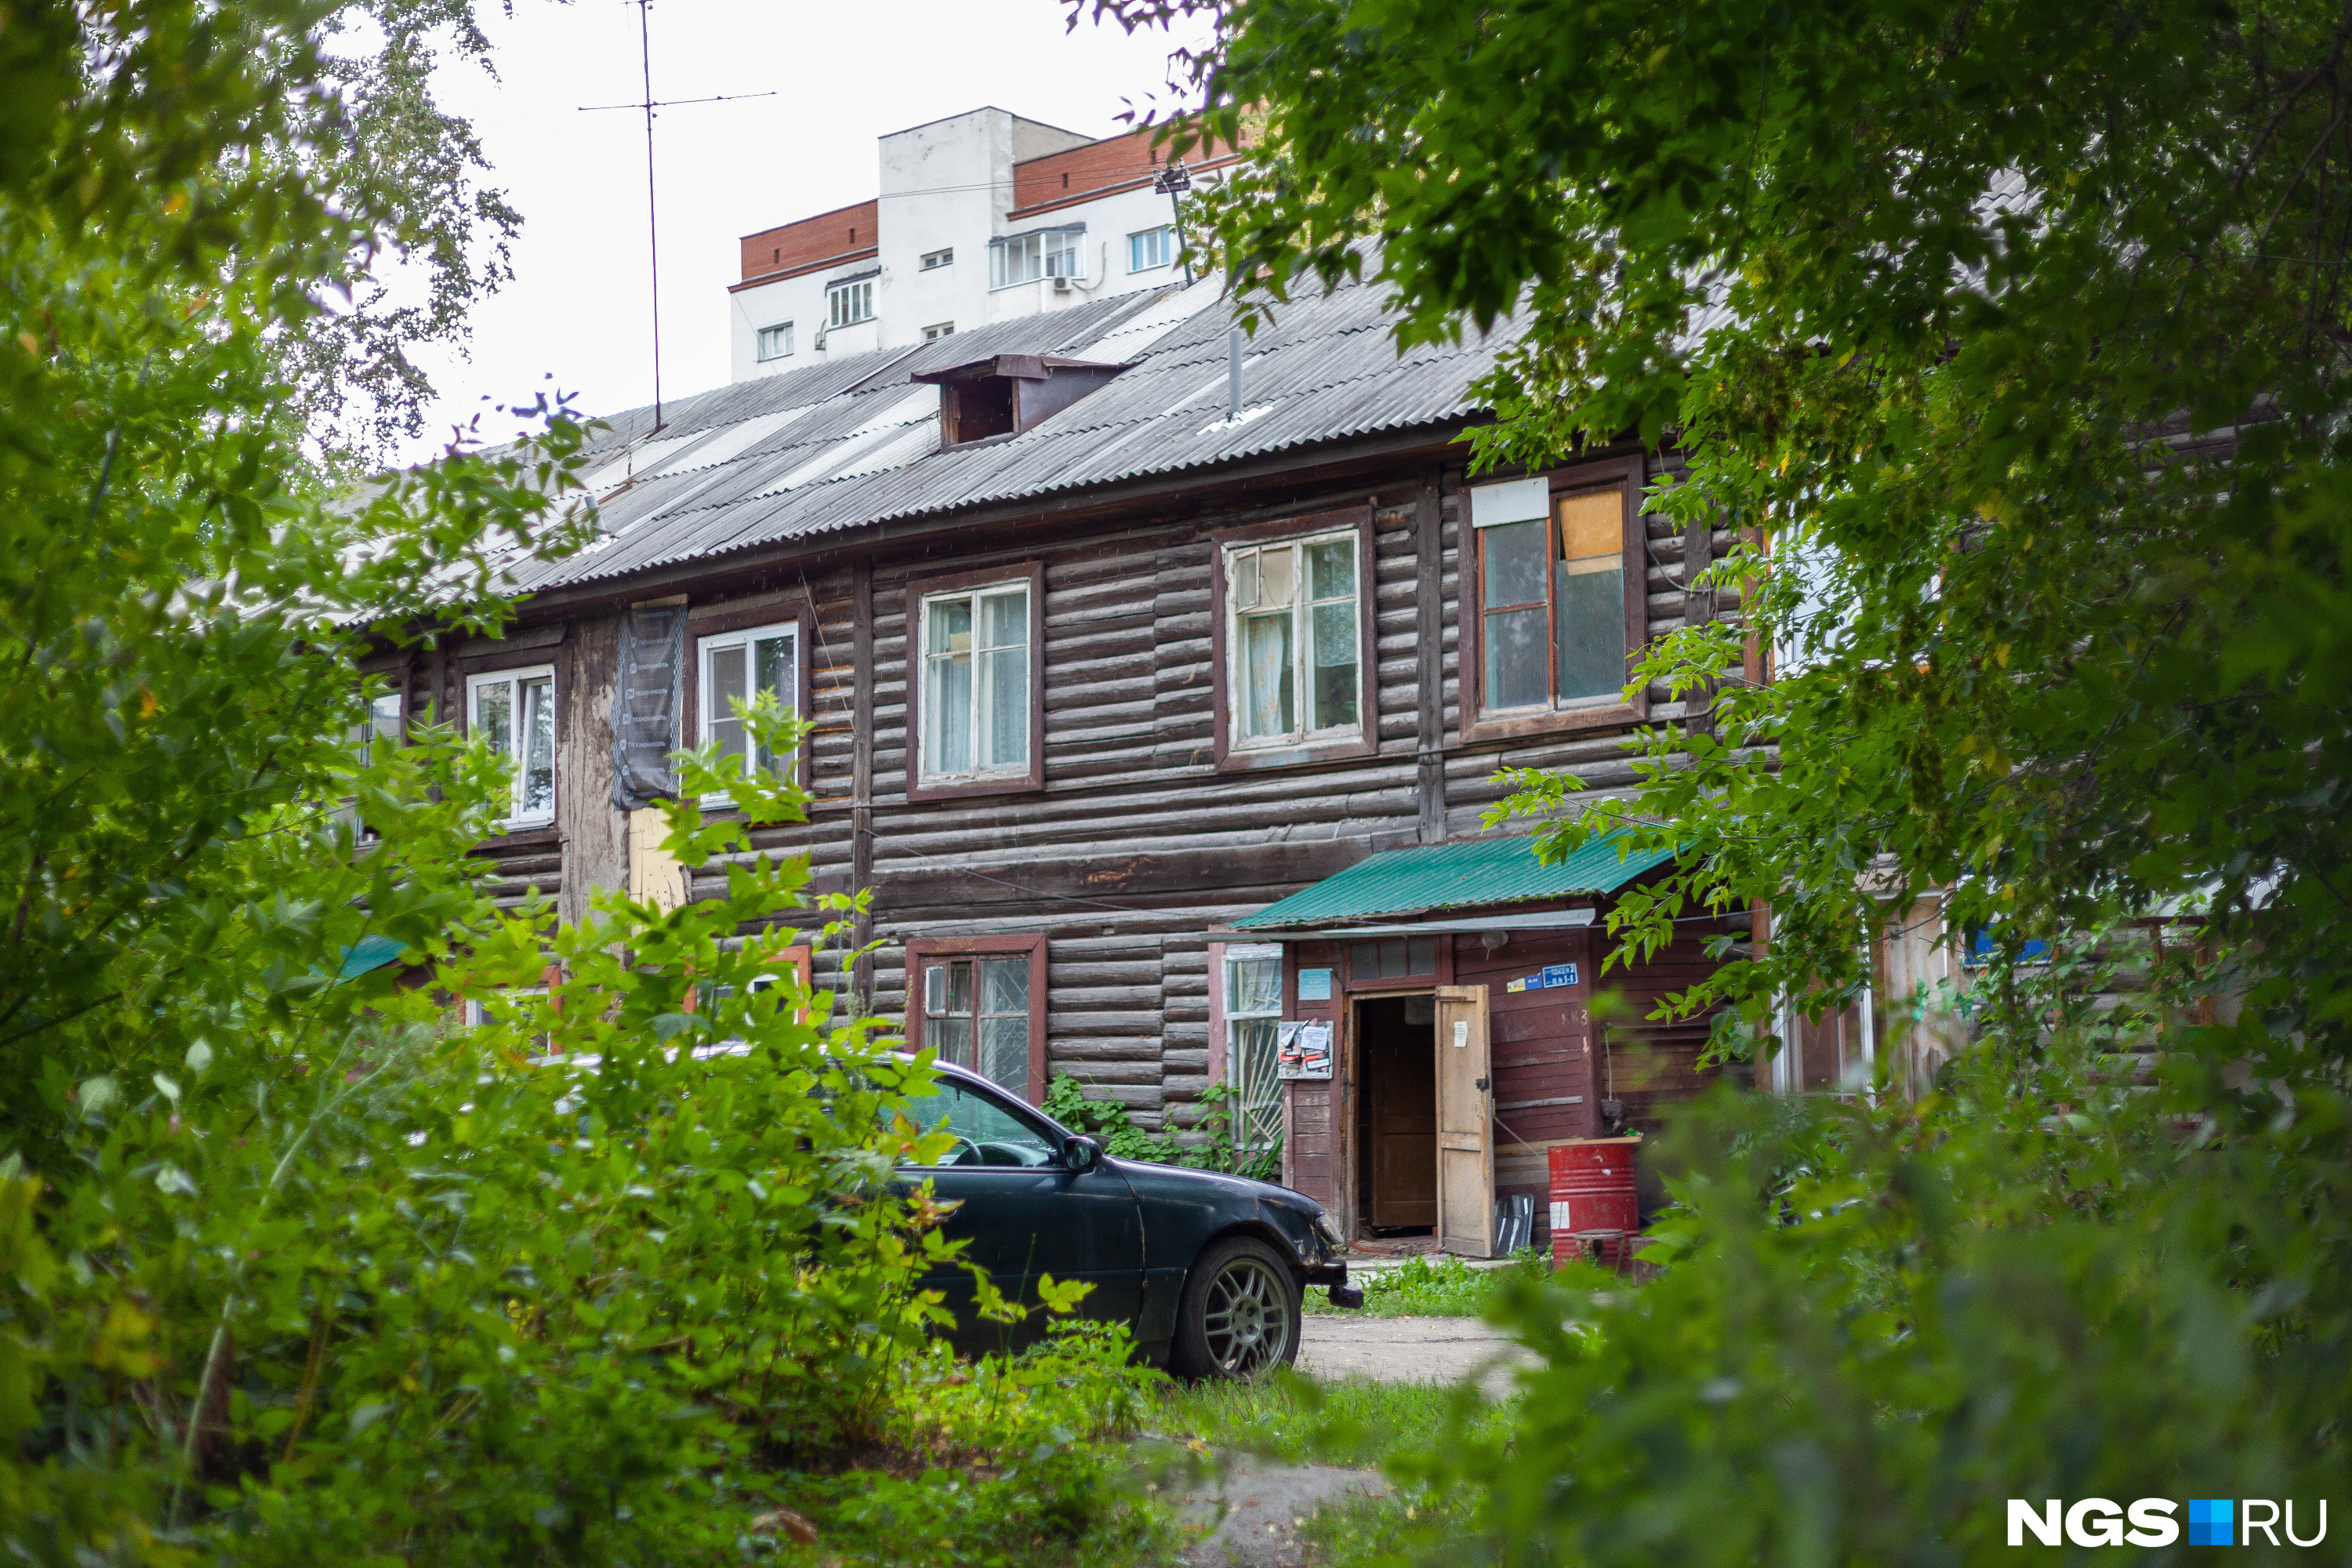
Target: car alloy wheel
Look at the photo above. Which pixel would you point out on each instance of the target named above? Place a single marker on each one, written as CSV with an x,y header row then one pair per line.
x,y
1245,1317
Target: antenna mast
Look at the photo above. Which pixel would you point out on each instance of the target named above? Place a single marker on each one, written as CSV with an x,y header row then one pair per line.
x,y
653,227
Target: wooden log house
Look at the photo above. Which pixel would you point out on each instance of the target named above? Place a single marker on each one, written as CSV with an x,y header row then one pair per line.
x,y
1146,676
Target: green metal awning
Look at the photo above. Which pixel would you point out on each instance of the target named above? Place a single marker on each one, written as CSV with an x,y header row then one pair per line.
x,y
372,952
1456,875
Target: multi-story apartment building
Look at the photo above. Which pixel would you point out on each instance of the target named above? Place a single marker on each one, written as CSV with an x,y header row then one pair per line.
x,y
980,217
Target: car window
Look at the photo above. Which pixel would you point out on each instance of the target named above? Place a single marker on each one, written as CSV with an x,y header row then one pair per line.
x,y
986,1133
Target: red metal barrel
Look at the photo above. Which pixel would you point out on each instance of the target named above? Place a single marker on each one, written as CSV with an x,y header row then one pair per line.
x,y
1593,1189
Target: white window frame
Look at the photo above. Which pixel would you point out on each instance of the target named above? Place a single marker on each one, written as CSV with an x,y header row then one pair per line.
x,y
849,303
516,817
1146,241
929,659
764,345
385,720
1257,1090
932,260
939,330
705,704
1040,253
1305,732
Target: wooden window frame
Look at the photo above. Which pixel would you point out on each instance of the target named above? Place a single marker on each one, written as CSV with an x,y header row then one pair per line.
x,y
923,948
1626,472
1343,968
724,622
1232,758
920,588
511,826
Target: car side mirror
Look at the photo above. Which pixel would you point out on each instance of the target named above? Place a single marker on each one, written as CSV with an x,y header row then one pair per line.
x,y
1082,1154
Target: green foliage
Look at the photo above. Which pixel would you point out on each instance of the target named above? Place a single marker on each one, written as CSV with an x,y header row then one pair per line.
x,y
1355,1421
1442,1287
292,1269
1066,1102
2016,333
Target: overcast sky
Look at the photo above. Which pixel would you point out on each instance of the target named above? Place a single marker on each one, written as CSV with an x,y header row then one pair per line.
x,y
843,74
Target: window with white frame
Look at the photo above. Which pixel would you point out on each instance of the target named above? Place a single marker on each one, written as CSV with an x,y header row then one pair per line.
x,y
939,330
512,711
733,669
381,727
1152,247
776,342
1026,257
846,304
1252,1008
935,260
976,1015
976,683
1292,639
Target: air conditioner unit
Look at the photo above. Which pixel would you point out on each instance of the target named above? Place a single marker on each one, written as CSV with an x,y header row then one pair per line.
x,y
1061,285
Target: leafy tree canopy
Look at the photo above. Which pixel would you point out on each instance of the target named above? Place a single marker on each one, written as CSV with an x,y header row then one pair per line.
x,y
2009,342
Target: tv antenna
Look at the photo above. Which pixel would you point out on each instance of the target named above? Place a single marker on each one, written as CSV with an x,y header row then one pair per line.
x,y
653,234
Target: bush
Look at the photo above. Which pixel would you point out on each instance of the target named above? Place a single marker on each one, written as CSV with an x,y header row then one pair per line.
x,y
1066,1102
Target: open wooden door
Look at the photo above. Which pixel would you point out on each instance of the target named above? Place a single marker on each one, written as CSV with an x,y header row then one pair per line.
x,y
1466,1113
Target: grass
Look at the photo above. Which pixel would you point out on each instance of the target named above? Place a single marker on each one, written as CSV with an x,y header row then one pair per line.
x,y
1418,1288
1348,1421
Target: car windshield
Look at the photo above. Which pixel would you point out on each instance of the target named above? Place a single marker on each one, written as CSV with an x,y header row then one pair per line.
x,y
985,1133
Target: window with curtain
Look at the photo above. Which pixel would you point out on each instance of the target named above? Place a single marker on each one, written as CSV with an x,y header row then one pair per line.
x,y
512,711
976,1016
1551,600
1252,987
976,679
736,667
1292,631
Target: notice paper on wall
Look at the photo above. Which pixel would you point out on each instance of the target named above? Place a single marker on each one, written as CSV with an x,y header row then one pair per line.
x,y
1462,1034
1302,1051
1551,976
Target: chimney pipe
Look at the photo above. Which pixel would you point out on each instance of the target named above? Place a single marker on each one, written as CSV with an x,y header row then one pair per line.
x,y
1233,373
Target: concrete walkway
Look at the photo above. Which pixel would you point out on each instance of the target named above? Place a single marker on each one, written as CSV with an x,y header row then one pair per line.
x,y
1259,1507
1411,1350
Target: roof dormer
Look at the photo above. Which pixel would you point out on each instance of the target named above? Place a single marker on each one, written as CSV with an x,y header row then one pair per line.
x,y
1005,395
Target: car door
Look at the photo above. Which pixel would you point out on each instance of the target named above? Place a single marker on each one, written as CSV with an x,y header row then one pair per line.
x,y
1024,1214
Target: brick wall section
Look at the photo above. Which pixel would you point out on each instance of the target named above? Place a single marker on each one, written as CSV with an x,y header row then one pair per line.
x,y
1115,163
841,235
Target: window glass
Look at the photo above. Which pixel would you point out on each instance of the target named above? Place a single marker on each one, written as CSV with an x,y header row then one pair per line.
x,y
1294,639
1589,595
986,1133
976,1015
1393,958
513,714
849,303
538,771
1253,1010
976,682
1152,247
776,342
736,667
1511,579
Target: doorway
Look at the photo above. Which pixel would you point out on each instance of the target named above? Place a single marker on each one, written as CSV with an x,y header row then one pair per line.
x,y
1396,1115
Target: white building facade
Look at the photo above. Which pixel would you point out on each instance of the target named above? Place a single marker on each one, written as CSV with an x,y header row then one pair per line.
x,y
980,217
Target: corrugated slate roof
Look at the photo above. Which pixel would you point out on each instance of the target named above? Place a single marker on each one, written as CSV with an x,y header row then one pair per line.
x,y
1454,876
855,441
